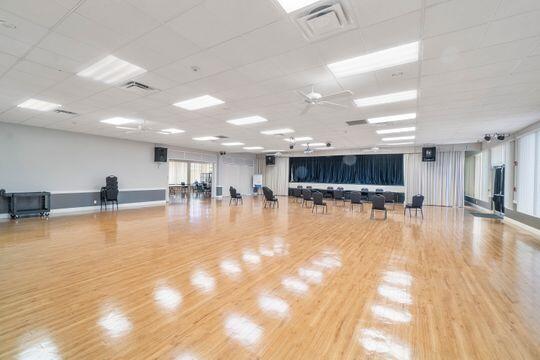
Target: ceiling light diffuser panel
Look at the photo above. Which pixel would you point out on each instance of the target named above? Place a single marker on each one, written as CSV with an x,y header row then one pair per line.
x,y
205,138
277,131
387,98
253,148
111,70
232,144
39,105
200,102
301,138
292,5
398,138
121,121
400,117
247,120
378,60
397,130
172,131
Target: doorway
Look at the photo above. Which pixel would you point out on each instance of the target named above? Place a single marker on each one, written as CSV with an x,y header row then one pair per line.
x,y
498,190
190,180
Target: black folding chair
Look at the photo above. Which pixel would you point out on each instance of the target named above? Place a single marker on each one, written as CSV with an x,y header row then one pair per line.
x,y
377,204
318,201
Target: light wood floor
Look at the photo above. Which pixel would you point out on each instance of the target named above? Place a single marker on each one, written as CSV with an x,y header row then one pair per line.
x,y
203,280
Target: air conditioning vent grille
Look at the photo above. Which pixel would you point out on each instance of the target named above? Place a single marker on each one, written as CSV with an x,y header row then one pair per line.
x,y
66,112
326,20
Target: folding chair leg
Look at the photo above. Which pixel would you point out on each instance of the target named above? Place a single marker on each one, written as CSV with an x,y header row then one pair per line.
x,y
422,212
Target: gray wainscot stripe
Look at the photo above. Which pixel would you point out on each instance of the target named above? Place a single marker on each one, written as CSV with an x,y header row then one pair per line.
x,y
75,200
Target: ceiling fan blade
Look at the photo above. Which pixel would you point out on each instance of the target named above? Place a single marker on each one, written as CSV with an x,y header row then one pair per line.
x,y
306,109
332,104
303,95
336,95
128,128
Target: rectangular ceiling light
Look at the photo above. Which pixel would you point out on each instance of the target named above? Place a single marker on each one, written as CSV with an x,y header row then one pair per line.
x,y
272,151
383,59
398,138
253,148
277,131
314,144
399,117
301,138
121,121
247,120
38,105
387,99
398,130
205,138
232,144
112,70
172,131
401,143
200,102
292,5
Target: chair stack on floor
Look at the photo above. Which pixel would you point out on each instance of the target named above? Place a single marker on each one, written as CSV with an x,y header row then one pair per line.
x,y
109,193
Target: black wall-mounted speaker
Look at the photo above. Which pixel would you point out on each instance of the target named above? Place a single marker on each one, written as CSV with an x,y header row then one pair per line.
x,y
160,154
429,153
270,160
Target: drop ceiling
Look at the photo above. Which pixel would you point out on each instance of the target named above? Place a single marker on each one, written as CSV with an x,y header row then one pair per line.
x,y
479,68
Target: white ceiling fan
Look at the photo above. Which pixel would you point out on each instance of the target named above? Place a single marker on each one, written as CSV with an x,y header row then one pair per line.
x,y
138,128
314,98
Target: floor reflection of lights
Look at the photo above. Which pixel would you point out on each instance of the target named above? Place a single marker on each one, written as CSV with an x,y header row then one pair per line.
x,y
186,356
203,281
311,275
230,268
295,285
243,330
273,305
327,262
251,257
167,298
399,278
376,341
266,251
38,346
395,294
391,315
115,323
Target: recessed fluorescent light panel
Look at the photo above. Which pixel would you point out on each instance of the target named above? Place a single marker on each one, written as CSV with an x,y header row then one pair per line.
x,y
253,148
387,99
301,138
390,118
401,143
394,131
247,120
112,70
277,131
272,151
397,138
232,144
172,131
383,59
314,144
38,105
205,138
118,121
292,5
200,102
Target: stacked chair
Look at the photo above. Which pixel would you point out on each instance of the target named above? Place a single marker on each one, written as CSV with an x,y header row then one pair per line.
x,y
109,193
235,196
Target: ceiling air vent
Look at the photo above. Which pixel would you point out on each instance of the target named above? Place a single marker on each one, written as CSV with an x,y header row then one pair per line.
x,y
65,112
325,20
137,87
222,137
356,122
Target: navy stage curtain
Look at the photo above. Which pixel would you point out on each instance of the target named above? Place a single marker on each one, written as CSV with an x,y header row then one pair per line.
x,y
384,169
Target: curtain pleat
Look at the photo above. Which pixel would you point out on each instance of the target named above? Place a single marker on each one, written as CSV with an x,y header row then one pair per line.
x,y
384,169
276,176
441,182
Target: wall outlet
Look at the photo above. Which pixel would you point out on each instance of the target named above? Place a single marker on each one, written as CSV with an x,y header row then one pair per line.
x,y
95,202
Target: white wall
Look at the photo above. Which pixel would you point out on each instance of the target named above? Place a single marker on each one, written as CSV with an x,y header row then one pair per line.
x,y
236,170
34,159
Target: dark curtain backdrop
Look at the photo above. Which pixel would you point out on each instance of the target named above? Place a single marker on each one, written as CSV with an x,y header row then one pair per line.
x,y
384,169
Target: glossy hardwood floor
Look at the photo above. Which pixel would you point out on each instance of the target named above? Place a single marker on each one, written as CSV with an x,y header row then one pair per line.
x,y
202,280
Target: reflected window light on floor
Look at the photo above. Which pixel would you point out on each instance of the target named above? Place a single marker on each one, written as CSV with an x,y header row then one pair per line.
x,y
400,278
242,329
251,257
327,262
266,251
186,356
273,305
203,281
38,346
230,267
311,275
376,341
388,314
167,298
295,285
115,323
395,294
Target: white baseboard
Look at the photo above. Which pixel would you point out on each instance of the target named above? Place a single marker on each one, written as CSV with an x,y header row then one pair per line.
x,y
512,222
89,209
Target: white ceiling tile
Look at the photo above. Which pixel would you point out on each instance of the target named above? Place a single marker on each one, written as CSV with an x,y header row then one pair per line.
x,y
342,46
182,70
531,63
513,28
53,60
12,46
401,30
71,48
261,70
164,10
33,11
369,12
513,7
25,30
457,15
450,44
38,70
